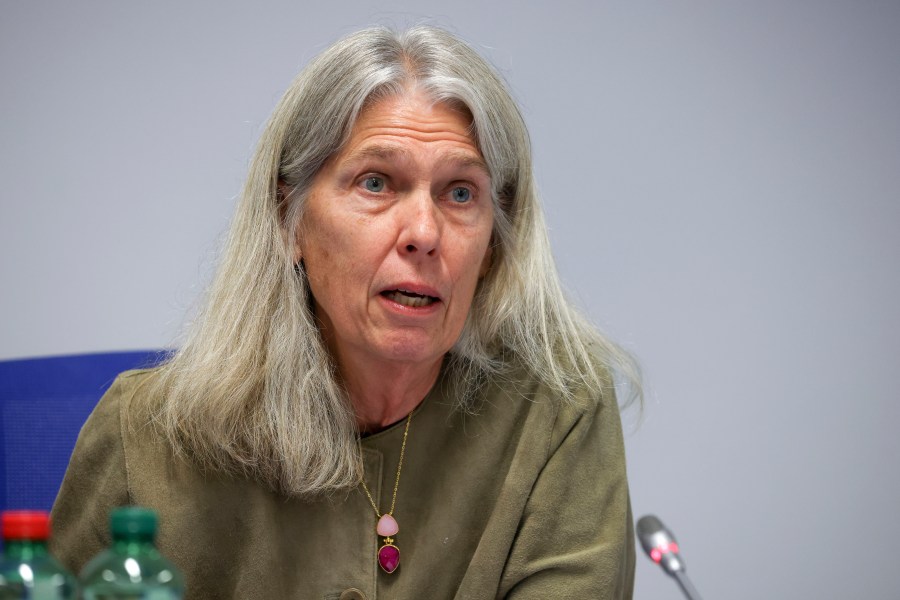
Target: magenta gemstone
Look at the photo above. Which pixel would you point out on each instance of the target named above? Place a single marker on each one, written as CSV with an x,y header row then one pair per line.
x,y
389,558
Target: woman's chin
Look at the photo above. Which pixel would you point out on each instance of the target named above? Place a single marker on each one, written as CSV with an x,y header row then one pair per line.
x,y
412,348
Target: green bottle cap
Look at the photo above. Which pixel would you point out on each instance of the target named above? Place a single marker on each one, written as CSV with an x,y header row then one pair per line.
x,y
133,522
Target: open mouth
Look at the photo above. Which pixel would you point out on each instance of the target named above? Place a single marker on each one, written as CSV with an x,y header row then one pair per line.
x,y
411,299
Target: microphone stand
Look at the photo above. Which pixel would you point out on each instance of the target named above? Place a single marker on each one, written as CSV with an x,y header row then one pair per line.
x,y
686,586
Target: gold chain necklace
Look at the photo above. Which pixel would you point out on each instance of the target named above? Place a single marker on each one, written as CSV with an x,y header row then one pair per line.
x,y
389,555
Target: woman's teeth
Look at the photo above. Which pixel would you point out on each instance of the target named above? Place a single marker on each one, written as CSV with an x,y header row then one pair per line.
x,y
409,298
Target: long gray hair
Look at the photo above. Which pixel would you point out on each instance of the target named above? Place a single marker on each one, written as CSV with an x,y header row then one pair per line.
x,y
253,389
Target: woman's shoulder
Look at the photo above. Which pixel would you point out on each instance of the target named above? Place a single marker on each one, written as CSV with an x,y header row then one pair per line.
x,y
128,402
127,383
131,390
569,389
582,404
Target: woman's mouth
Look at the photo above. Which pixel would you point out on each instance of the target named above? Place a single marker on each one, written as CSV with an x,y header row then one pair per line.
x,y
410,299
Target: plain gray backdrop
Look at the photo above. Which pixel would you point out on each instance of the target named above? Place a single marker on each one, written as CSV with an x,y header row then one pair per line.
x,y
721,181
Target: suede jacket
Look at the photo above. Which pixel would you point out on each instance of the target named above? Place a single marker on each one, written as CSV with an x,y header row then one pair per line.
x,y
526,498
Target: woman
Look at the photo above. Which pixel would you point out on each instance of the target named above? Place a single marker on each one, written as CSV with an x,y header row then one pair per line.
x,y
387,393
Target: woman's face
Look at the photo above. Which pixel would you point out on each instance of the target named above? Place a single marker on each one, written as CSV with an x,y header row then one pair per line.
x,y
395,234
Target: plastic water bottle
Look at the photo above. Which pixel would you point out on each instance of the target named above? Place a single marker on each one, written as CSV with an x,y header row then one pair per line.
x,y
132,567
27,571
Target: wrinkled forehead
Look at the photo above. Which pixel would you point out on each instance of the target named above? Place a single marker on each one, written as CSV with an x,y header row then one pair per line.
x,y
400,129
423,94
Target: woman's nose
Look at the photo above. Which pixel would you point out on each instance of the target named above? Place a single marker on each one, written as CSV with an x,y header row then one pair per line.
x,y
420,232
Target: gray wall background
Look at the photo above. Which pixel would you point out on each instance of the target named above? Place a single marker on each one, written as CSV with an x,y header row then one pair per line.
x,y
721,180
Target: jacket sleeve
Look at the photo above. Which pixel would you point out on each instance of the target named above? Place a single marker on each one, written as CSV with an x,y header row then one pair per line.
x,y
95,482
576,538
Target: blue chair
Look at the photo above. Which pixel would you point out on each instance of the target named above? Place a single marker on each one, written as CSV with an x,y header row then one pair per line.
x,y
43,404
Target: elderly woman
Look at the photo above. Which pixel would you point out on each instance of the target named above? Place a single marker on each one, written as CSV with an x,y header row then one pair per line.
x,y
387,394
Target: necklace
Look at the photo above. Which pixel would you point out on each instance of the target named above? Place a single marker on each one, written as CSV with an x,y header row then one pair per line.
x,y
389,555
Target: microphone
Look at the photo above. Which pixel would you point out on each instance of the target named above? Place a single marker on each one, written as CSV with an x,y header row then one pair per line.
x,y
660,545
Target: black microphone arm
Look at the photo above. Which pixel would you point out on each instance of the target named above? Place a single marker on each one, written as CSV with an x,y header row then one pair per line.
x,y
660,545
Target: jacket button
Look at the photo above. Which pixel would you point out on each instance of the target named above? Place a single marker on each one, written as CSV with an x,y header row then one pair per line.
x,y
352,594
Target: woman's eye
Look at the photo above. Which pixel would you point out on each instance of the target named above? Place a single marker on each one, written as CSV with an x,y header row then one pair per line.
x,y
461,194
374,184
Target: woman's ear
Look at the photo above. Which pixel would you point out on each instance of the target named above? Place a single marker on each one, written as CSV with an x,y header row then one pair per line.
x,y
487,261
284,194
298,248
282,197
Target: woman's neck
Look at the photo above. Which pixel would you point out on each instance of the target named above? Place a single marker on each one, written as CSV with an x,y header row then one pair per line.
x,y
382,395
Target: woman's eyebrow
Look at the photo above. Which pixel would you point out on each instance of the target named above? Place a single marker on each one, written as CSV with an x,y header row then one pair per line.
x,y
463,159
379,151
456,158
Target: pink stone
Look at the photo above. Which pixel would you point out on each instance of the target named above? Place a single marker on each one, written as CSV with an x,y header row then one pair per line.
x,y
389,558
387,526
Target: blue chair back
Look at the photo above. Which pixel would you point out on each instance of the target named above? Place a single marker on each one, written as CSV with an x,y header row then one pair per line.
x,y
43,404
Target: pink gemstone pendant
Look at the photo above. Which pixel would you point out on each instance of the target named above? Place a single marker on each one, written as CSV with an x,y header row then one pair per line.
x,y
389,556
387,526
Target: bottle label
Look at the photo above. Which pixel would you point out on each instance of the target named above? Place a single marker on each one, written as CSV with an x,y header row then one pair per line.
x,y
161,594
148,594
50,589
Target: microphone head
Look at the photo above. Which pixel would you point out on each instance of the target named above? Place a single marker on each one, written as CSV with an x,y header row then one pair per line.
x,y
659,544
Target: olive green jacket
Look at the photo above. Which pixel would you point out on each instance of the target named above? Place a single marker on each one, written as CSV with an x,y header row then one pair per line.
x,y
525,499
